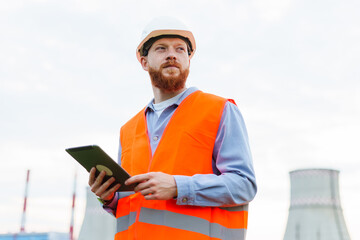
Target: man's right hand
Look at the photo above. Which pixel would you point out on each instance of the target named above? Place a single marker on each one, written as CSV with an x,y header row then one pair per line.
x,y
101,190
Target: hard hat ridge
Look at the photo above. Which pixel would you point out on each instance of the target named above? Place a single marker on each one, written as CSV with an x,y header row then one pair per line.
x,y
164,27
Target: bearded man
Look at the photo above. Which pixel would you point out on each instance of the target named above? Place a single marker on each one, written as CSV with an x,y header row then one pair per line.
x,y
187,152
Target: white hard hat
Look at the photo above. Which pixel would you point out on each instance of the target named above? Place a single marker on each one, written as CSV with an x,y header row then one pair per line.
x,y
168,26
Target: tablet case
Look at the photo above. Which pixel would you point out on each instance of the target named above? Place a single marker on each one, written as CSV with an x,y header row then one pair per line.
x,y
93,156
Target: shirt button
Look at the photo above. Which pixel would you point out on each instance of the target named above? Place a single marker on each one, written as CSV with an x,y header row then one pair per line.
x,y
184,200
155,138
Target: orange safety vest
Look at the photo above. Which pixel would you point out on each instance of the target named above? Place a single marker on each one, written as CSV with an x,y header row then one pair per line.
x,y
185,148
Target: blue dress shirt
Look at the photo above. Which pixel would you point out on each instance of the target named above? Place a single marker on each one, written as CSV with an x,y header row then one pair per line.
x,y
233,182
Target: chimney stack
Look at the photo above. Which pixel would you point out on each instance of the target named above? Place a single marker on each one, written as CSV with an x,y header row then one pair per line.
x,y
315,209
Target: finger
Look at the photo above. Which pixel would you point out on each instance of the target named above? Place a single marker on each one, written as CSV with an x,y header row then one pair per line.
x,y
97,184
142,186
150,197
109,193
103,187
147,191
99,179
137,179
92,176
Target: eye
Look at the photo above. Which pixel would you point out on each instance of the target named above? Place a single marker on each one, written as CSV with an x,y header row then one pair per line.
x,y
181,48
159,48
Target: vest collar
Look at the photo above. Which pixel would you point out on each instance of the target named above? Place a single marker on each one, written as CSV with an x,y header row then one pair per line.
x,y
185,94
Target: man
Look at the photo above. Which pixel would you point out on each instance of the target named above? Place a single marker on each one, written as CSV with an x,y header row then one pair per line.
x,y
187,151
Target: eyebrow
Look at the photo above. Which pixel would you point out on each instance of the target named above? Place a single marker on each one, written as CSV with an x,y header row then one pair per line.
x,y
165,44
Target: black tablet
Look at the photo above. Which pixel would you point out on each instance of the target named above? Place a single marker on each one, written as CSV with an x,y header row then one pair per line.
x,y
94,156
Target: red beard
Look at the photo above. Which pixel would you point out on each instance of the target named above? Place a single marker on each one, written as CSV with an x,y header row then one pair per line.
x,y
171,83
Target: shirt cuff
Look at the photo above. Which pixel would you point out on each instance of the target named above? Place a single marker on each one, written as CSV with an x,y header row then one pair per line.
x,y
185,190
112,204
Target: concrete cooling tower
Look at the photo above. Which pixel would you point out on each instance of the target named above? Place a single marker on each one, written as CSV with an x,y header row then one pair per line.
x,y
97,224
315,210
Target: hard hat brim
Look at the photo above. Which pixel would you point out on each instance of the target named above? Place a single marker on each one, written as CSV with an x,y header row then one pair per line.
x,y
156,33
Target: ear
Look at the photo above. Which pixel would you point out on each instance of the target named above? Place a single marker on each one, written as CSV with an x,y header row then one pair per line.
x,y
144,63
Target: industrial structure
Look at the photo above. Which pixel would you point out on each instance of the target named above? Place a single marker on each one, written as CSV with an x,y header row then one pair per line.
x,y
315,209
97,224
315,212
24,235
22,226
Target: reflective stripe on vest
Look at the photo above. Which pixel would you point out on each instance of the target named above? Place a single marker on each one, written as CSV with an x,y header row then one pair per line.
x,y
187,145
181,221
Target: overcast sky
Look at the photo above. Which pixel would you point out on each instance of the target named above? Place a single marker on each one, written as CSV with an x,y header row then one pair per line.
x,y
69,77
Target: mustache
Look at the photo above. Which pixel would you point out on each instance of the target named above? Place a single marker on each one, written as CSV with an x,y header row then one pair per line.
x,y
170,63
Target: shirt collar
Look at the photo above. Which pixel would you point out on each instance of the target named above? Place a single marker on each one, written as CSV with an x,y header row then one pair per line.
x,y
185,94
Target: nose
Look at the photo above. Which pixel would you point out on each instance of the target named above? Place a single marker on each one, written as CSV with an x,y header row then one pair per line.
x,y
171,57
171,54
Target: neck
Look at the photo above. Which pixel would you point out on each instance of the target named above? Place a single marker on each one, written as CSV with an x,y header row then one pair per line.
x,y
161,95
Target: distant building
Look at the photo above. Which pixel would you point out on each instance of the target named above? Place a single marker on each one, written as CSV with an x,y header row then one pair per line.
x,y
315,210
35,236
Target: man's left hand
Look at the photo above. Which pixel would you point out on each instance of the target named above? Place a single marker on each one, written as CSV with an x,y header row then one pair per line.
x,y
154,185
